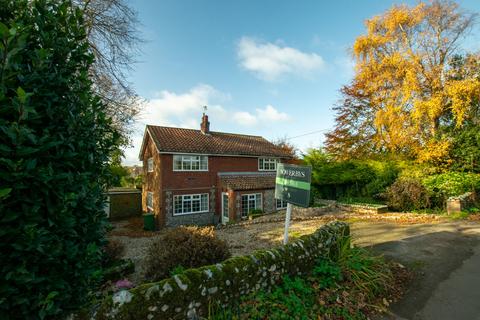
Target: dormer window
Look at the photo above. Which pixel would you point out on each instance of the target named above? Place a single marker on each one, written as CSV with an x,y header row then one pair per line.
x,y
150,164
267,164
190,163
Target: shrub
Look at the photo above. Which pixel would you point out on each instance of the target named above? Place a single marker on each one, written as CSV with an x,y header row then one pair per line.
x,y
407,194
254,213
185,247
369,274
55,145
327,272
295,296
442,186
112,251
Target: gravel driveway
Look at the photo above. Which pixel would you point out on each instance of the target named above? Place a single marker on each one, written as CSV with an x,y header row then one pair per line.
x,y
245,238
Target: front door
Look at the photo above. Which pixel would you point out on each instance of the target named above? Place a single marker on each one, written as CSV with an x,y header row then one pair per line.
x,y
224,207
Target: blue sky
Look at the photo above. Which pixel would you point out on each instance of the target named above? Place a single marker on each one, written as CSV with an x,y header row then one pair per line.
x,y
270,68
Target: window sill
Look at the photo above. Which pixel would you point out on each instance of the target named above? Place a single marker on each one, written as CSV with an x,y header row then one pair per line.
x,y
189,213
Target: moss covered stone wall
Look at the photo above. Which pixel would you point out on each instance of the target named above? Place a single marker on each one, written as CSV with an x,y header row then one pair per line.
x,y
189,294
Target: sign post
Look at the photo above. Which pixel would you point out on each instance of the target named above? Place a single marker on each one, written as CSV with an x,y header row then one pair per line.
x,y
288,216
292,184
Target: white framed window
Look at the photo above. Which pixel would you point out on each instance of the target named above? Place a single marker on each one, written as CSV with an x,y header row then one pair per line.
x,y
190,162
150,200
281,204
267,164
150,164
190,203
251,202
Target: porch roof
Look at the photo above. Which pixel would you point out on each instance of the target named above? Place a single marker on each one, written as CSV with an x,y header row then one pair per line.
x,y
247,180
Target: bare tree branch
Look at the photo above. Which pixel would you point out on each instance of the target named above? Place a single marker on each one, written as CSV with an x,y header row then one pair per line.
x,y
114,38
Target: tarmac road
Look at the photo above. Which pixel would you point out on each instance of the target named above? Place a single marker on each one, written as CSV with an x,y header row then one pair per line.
x,y
446,260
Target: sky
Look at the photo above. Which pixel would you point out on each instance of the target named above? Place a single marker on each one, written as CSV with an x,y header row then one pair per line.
x,y
271,67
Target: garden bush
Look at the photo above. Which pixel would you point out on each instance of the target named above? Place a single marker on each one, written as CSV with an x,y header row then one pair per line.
x,y
255,213
407,194
334,179
55,145
449,184
112,251
185,247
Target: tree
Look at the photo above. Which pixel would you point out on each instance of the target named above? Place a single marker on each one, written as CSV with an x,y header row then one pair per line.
x,y
116,170
354,129
287,146
55,147
403,69
114,39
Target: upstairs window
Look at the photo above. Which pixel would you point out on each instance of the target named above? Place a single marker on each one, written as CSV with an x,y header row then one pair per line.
x,y
190,163
267,164
150,165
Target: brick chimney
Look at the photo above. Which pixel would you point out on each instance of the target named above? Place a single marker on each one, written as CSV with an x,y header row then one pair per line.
x,y
205,125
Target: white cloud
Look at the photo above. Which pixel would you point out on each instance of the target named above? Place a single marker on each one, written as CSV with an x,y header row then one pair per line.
x,y
267,115
270,61
172,109
245,118
272,114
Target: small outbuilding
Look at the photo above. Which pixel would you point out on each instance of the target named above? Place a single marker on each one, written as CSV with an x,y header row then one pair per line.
x,y
123,203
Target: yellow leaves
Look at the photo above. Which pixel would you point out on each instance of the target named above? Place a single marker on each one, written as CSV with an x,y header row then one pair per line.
x,y
462,94
364,45
385,29
435,151
397,17
411,83
403,68
428,109
394,128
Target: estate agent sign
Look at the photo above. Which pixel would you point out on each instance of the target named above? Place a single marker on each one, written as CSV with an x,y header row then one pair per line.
x,y
292,185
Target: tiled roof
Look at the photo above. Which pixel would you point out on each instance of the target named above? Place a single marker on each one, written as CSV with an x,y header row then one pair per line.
x,y
248,181
168,139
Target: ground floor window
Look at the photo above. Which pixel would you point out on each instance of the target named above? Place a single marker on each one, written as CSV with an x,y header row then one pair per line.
x,y
251,202
281,204
190,203
150,200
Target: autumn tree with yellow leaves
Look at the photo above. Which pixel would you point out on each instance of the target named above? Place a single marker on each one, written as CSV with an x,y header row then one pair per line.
x,y
408,87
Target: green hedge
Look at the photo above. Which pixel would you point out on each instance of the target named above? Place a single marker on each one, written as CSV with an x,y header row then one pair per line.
x,y
452,184
55,145
190,293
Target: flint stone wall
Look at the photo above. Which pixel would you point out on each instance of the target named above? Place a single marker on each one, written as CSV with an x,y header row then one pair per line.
x,y
189,294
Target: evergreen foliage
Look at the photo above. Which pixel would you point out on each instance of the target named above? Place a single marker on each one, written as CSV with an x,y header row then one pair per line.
x,y
55,145
335,179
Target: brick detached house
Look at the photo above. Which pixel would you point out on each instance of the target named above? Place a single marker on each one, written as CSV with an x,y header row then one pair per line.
x,y
204,177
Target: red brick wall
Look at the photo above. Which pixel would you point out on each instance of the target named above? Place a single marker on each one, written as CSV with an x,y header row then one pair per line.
x,y
195,179
152,181
191,180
